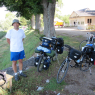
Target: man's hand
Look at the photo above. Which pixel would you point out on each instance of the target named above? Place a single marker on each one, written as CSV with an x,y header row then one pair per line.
x,y
8,41
23,39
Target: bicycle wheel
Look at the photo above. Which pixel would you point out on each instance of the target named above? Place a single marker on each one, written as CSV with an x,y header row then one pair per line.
x,y
82,44
85,64
62,71
40,64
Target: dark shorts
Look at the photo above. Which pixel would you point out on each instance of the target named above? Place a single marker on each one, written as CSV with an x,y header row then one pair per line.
x,y
17,55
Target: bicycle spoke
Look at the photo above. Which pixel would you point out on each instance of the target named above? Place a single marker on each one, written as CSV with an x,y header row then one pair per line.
x,y
62,71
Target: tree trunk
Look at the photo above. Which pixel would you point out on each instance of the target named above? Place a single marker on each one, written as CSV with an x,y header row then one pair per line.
x,y
48,18
33,22
37,22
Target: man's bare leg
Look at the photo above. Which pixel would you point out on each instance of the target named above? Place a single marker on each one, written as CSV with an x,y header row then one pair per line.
x,y
15,70
20,67
20,64
14,66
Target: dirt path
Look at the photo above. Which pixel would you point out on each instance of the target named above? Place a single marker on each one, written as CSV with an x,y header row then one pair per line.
x,y
72,32
79,82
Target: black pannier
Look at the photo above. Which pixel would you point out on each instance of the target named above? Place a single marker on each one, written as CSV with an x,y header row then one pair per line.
x,y
60,44
46,42
93,55
60,49
88,50
74,54
36,61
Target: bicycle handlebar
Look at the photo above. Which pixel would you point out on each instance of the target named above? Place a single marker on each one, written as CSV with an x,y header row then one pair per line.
x,y
68,46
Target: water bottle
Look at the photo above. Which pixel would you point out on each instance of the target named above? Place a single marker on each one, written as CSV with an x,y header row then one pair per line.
x,y
51,48
78,61
49,59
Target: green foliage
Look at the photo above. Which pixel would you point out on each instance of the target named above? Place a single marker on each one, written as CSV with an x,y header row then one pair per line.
x,y
23,8
91,27
64,18
60,3
7,22
23,21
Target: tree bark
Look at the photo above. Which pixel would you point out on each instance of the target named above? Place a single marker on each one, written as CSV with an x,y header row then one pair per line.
x,y
48,17
37,22
33,22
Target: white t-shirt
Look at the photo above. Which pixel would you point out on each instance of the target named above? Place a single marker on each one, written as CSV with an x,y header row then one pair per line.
x,y
16,39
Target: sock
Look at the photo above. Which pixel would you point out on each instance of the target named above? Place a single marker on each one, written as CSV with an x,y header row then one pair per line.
x,y
20,71
15,73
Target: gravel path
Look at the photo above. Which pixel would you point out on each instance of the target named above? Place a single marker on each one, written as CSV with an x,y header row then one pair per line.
x,y
72,31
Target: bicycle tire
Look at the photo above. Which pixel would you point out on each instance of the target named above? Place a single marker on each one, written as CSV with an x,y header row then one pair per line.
x,y
85,64
82,43
64,66
40,64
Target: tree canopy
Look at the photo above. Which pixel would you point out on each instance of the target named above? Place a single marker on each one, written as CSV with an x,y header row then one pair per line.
x,y
25,8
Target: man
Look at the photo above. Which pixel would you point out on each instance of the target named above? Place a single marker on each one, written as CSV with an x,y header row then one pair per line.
x,y
15,39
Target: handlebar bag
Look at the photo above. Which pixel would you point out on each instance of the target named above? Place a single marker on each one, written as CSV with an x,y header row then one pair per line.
x,y
88,50
46,42
74,54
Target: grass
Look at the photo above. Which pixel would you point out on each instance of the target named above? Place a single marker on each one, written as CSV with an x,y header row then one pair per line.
x,y
30,43
53,85
28,86
2,34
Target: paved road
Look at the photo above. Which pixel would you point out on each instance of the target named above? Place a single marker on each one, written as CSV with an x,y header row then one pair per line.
x,y
72,31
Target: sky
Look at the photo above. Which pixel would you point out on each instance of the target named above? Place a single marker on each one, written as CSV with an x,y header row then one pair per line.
x,y
68,7
73,5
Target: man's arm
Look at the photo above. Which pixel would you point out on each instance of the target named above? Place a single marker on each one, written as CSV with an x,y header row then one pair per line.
x,y
8,41
23,39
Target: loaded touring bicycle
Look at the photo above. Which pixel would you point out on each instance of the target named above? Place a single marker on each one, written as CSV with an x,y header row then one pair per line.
x,y
48,50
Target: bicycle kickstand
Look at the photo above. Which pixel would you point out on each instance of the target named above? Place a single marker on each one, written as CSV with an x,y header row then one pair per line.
x,y
90,71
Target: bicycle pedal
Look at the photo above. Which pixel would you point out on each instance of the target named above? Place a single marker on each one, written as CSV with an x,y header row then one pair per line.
x,y
71,66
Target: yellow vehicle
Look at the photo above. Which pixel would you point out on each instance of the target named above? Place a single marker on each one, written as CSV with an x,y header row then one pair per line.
x,y
58,22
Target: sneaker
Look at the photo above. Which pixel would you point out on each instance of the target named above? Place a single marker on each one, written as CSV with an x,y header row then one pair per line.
x,y
16,77
22,74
